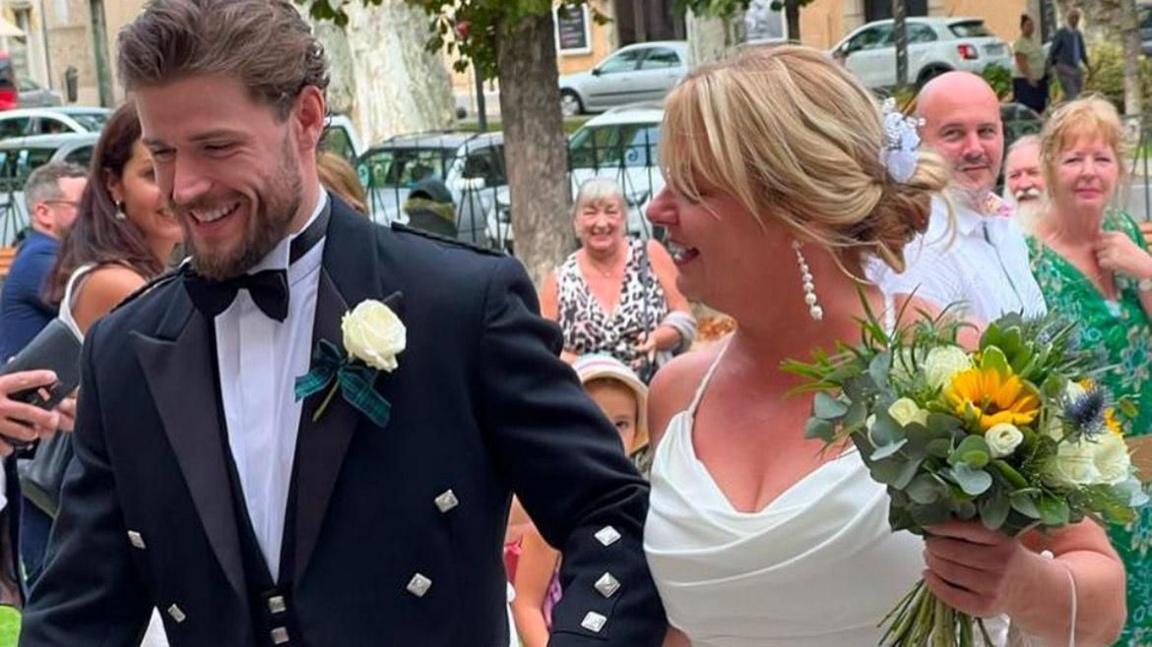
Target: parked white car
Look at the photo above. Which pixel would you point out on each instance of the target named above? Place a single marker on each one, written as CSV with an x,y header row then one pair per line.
x,y
25,122
640,72
935,45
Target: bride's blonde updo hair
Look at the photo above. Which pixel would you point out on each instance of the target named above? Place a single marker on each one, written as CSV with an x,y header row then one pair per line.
x,y
790,133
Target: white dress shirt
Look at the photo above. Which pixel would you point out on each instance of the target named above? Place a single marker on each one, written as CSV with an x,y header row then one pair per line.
x,y
260,359
981,263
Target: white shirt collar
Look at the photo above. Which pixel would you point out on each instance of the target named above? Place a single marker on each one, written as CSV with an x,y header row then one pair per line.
x,y
968,220
280,256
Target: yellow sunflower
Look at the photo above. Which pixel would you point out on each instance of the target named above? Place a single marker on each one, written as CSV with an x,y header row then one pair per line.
x,y
996,396
1112,424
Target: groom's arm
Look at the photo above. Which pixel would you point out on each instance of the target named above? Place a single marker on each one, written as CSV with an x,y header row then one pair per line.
x,y
88,593
566,463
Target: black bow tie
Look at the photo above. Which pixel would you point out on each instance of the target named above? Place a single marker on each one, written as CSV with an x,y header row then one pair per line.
x,y
268,288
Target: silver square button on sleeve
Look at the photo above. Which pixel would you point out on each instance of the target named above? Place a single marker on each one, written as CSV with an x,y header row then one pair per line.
x,y
607,585
594,622
608,535
419,585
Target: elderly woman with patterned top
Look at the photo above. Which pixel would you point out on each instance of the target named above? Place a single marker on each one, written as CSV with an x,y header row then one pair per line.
x,y
755,537
1093,265
616,295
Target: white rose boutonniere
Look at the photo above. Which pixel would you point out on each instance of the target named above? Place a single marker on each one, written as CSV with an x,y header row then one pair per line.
x,y
373,336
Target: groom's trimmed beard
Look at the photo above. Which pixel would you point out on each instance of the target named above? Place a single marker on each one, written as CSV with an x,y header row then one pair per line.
x,y
279,201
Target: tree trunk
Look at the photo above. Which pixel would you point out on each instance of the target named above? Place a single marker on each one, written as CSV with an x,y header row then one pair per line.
x,y
398,85
535,148
1130,31
792,17
712,39
341,77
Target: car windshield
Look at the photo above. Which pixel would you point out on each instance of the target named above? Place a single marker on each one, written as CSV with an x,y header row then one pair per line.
x,y
970,29
92,121
404,167
615,145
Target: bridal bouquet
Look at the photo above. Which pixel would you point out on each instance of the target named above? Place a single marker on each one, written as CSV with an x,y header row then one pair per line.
x,y
1017,434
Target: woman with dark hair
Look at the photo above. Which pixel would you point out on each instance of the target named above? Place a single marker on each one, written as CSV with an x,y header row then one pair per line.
x,y
123,236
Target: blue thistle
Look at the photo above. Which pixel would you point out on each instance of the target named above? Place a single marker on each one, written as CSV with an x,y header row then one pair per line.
x,y
1086,414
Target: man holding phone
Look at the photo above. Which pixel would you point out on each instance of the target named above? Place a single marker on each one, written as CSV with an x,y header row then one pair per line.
x,y
21,423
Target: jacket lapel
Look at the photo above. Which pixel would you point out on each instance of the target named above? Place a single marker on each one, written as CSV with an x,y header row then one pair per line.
x,y
349,276
180,376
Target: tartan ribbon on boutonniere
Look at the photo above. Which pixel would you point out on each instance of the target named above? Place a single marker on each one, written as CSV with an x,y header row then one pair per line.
x,y
373,337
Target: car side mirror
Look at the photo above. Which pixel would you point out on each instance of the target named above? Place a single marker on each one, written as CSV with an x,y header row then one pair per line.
x,y
596,71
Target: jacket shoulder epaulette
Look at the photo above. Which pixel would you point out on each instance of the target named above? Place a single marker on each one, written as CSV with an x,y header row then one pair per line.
x,y
405,229
163,279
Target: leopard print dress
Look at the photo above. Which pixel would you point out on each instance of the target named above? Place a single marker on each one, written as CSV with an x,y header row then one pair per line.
x,y
588,328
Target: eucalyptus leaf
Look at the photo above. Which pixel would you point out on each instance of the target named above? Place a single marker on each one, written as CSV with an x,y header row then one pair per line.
x,y
940,448
972,451
964,510
931,514
880,368
885,451
1053,510
1024,504
827,407
972,481
895,471
817,429
994,508
885,431
925,489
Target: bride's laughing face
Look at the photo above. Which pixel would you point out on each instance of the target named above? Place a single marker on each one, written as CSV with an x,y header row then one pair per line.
x,y
720,250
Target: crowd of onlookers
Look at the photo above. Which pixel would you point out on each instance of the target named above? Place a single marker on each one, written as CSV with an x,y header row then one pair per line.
x,y
1055,242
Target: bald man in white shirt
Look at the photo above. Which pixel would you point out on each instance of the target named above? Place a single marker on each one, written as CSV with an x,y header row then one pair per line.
x,y
980,264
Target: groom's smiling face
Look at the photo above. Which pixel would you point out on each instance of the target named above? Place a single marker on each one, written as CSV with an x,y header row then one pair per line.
x,y
232,169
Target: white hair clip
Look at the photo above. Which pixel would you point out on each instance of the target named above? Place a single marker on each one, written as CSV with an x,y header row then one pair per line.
x,y
901,143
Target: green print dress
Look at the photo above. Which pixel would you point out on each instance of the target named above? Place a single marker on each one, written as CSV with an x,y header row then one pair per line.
x,y
1122,329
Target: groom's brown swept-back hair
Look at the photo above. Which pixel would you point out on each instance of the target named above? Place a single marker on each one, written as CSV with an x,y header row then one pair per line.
x,y
267,44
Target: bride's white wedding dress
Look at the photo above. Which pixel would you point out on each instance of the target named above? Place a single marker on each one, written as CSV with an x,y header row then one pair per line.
x,y
818,566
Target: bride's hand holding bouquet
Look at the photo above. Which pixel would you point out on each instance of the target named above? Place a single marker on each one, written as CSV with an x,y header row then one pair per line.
x,y
976,449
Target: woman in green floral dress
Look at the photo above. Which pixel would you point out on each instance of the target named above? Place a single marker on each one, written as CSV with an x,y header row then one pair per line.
x,y
1093,266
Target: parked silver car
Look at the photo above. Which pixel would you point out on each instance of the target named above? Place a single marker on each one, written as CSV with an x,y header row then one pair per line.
x,y
33,95
641,72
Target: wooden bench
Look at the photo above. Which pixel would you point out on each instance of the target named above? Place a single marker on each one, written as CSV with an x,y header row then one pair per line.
x,y
7,254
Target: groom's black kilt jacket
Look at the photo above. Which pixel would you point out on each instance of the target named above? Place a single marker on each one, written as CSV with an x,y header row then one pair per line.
x,y
396,532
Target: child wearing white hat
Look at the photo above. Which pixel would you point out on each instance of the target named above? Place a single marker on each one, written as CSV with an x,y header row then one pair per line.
x,y
624,400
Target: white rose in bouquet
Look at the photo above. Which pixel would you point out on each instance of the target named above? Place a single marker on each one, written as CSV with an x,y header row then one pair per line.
x,y
1003,439
1074,465
905,411
1113,462
943,362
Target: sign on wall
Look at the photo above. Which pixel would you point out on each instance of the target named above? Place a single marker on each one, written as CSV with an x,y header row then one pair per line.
x,y
573,31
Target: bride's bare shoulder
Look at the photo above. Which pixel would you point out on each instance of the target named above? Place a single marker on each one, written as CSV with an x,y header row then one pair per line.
x,y
674,386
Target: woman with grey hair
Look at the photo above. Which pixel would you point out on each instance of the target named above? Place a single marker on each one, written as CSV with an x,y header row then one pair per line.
x,y
616,295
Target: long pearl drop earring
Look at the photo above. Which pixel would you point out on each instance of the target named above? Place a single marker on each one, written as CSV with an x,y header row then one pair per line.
x,y
814,309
